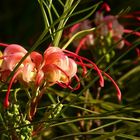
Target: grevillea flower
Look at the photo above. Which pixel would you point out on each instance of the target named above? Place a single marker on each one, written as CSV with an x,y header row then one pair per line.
x,y
84,41
109,26
107,23
57,67
106,27
116,29
12,55
53,68
60,66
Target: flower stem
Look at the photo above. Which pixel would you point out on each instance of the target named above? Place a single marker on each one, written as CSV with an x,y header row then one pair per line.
x,y
62,23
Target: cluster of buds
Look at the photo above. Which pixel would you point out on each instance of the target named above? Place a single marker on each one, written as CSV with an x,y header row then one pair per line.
x,y
16,119
55,66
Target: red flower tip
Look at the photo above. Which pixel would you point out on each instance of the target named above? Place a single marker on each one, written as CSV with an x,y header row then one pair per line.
x,y
74,27
6,103
138,52
132,32
101,82
106,7
119,95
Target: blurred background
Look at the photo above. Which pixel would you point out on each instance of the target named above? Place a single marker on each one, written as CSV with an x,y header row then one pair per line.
x,y
21,21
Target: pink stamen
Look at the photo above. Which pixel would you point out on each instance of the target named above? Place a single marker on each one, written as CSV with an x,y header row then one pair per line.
x,y
106,7
132,32
6,101
84,68
93,64
81,43
74,27
119,95
64,85
68,85
131,16
127,43
4,45
98,71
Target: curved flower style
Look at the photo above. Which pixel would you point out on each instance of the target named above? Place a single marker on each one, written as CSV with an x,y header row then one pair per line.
x,y
135,17
12,55
86,24
86,63
82,42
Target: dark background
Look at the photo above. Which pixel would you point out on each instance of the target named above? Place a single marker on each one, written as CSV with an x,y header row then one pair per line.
x,y
21,21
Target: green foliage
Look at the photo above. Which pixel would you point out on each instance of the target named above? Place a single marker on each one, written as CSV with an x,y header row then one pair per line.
x,y
91,112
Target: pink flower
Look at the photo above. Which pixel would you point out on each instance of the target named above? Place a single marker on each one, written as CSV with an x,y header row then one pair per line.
x,y
60,66
36,58
12,55
109,26
57,67
82,42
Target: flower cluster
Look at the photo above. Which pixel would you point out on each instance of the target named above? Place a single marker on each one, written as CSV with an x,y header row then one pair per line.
x,y
72,74
12,54
51,68
108,26
108,32
55,66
